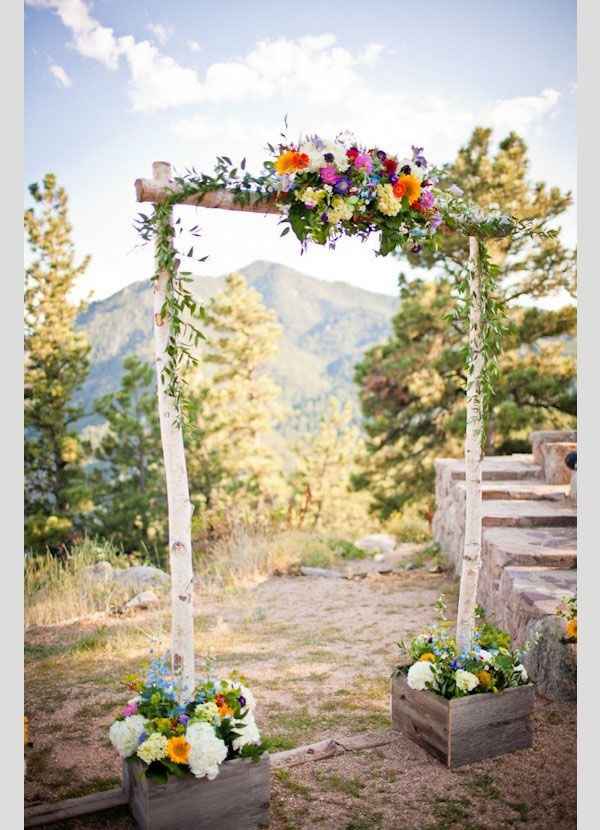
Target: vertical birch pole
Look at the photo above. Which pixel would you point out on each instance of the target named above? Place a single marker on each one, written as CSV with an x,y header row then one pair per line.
x,y
471,563
178,496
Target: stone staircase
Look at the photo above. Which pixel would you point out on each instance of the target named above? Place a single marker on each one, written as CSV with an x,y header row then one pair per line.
x,y
529,542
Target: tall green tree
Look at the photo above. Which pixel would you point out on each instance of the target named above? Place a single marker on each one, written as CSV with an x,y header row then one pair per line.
x,y
412,387
56,364
128,476
234,466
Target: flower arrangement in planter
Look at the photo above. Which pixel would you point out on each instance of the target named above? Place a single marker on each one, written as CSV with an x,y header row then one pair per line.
x,y
336,188
463,707
166,742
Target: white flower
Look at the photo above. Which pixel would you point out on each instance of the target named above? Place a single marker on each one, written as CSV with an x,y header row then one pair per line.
x,y
249,733
340,159
207,751
523,672
316,160
484,655
125,734
465,681
415,170
419,674
153,748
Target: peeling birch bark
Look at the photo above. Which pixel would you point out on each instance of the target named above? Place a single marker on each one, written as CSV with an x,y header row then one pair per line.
x,y
178,497
471,563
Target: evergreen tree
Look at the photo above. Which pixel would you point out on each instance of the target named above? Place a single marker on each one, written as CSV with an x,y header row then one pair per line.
x,y
321,497
56,364
128,477
412,387
235,471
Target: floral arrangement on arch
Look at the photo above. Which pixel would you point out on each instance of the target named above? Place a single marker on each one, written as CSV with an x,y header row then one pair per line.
x,y
568,611
331,189
216,725
490,666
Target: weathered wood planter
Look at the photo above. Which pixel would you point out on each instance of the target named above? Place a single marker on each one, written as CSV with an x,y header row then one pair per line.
x,y
465,729
237,799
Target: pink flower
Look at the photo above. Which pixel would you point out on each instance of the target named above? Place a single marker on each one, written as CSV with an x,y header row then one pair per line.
x,y
363,161
329,174
129,710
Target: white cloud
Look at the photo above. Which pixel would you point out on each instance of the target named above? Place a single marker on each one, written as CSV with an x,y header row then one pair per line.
x,y
161,32
520,113
194,46
60,74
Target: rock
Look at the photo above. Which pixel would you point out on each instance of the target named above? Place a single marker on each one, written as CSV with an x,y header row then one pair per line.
x,y
550,662
573,489
379,557
329,574
555,469
377,543
538,438
140,577
100,572
410,566
435,569
147,599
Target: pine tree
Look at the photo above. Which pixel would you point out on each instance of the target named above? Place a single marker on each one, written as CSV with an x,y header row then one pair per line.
x,y
56,364
128,478
321,497
234,468
412,387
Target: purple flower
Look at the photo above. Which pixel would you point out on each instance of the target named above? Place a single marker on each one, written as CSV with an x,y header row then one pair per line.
x,y
142,738
426,199
183,719
381,155
436,221
324,217
329,158
242,701
418,157
393,179
329,174
342,186
416,249
363,161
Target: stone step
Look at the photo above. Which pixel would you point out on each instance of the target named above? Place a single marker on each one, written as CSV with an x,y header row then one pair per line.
x,y
526,489
500,468
531,593
547,547
527,513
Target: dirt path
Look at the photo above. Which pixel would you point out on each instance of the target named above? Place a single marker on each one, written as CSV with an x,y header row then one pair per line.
x,y
318,653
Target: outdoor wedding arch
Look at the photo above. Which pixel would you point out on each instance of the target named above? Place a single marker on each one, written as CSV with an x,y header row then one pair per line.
x,y
322,191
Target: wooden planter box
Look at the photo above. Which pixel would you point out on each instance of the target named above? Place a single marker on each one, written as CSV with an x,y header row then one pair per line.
x,y
465,729
237,799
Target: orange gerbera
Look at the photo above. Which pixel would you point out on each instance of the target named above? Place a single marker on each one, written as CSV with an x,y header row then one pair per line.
x,y
178,750
572,629
290,161
408,186
225,710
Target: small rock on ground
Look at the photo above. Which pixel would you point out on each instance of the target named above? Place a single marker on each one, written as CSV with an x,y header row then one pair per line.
x,y
147,599
377,543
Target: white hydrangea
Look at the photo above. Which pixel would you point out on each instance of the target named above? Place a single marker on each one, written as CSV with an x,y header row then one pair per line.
x,y
249,733
153,748
484,655
465,680
125,734
207,751
315,156
340,159
419,674
523,672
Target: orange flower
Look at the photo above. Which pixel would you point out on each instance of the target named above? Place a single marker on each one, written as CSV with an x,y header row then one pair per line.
x,y
428,657
178,750
411,188
485,678
290,161
225,710
399,189
572,629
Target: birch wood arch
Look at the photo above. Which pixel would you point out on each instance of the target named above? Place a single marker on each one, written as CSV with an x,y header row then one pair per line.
x,y
161,188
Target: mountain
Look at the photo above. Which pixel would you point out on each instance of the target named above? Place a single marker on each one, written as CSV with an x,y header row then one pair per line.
x,y
327,326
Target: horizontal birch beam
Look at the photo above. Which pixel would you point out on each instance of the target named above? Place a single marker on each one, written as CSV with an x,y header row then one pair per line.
x,y
156,190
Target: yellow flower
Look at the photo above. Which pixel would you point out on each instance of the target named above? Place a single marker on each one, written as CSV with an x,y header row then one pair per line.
x,y
178,750
572,629
290,161
386,201
341,210
412,188
428,656
485,678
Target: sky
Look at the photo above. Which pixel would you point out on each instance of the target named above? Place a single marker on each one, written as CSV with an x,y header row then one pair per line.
x,y
112,86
